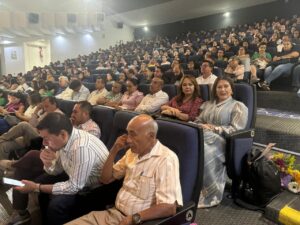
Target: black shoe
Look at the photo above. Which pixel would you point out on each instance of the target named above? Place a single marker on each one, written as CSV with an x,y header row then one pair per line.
x,y
264,86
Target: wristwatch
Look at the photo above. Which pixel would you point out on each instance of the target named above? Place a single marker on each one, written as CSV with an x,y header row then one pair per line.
x,y
217,130
136,219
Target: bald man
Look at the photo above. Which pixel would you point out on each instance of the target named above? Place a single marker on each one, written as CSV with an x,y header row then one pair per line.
x,y
151,187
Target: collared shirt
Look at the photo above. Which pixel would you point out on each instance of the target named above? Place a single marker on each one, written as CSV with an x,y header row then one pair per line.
x,y
113,97
82,158
131,101
209,80
80,95
149,180
91,127
29,111
152,102
66,94
93,97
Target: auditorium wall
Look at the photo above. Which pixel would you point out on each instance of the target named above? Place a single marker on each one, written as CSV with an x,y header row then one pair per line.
x,y
282,8
63,47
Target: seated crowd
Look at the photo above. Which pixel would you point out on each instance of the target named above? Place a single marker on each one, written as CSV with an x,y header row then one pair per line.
x,y
263,51
74,167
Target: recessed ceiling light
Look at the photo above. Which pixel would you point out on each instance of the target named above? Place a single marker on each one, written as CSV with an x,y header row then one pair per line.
x,y
227,14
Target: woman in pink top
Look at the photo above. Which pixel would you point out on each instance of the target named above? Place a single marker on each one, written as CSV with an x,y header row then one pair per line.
x,y
185,106
132,97
13,106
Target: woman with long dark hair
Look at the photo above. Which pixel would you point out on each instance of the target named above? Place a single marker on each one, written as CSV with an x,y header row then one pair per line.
x,y
185,106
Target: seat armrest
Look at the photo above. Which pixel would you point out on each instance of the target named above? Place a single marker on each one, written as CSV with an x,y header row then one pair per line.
x,y
241,134
185,214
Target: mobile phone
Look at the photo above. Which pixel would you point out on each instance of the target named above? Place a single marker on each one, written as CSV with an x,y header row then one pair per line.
x,y
12,182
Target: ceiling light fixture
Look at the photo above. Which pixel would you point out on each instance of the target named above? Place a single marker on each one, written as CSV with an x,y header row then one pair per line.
x,y
146,28
227,14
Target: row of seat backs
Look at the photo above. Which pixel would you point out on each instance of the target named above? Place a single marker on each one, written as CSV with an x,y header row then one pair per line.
x,y
189,147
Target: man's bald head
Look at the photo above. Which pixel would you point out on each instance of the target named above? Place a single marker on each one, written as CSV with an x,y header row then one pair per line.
x,y
142,131
144,123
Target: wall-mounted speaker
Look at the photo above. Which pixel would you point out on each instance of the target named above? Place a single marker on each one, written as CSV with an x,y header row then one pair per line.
x,y
33,18
119,25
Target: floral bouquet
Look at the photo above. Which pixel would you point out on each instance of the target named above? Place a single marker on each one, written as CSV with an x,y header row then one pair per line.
x,y
289,171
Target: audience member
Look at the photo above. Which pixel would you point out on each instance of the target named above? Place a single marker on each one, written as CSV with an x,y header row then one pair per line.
x,y
220,116
113,97
152,102
185,106
282,64
14,105
20,136
80,92
100,92
206,77
156,193
132,97
235,69
77,153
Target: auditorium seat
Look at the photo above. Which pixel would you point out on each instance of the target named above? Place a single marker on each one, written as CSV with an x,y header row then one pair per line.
x,y
170,89
89,85
145,88
189,149
66,106
238,144
104,117
204,91
120,122
165,68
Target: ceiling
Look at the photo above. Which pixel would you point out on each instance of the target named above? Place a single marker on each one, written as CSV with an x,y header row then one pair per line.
x,y
135,13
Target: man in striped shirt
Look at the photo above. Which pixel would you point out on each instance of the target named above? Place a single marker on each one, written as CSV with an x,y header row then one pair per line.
x,y
81,118
81,157
151,187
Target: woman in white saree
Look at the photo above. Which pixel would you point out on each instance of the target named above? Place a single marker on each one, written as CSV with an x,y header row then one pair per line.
x,y
220,116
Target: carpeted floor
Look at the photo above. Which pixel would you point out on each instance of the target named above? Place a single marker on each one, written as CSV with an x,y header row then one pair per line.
x,y
227,213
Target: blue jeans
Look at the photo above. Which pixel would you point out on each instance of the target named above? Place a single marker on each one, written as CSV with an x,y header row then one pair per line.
x,y
4,126
280,70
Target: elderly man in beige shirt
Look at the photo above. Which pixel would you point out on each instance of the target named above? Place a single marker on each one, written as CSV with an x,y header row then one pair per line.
x,y
151,187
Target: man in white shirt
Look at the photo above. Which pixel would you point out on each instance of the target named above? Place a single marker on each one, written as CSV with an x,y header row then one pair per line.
x,y
64,92
80,92
206,77
100,91
152,102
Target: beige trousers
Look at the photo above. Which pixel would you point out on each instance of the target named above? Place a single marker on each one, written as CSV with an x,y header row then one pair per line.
x,y
17,137
108,217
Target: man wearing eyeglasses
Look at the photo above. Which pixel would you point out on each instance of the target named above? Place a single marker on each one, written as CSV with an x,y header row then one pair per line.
x,y
206,77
